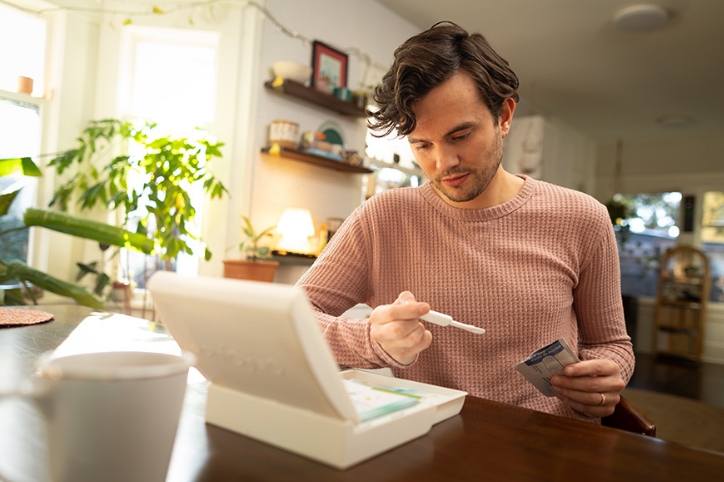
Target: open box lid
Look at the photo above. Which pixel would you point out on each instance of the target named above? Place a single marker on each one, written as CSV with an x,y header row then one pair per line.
x,y
258,338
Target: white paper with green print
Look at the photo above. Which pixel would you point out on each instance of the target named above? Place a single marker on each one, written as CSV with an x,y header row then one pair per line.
x,y
372,401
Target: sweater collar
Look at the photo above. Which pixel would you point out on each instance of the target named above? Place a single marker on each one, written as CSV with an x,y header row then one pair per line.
x,y
487,214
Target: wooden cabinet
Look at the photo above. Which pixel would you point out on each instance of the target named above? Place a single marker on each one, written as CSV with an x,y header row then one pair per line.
x,y
680,310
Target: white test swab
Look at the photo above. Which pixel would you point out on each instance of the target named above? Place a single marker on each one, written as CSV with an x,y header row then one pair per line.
x,y
446,320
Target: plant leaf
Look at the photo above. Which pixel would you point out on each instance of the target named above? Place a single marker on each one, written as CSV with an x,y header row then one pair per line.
x,y
13,297
8,195
84,269
42,280
101,282
30,168
87,229
24,165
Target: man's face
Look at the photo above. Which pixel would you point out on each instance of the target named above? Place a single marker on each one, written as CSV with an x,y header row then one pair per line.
x,y
458,143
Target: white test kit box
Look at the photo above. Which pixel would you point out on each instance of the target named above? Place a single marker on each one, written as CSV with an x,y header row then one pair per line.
x,y
274,378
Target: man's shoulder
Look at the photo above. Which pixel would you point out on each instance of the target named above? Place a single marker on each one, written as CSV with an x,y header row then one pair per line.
x,y
560,204
401,196
394,207
564,196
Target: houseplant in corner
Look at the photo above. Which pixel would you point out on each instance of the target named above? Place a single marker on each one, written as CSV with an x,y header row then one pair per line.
x,y
144,175
253,267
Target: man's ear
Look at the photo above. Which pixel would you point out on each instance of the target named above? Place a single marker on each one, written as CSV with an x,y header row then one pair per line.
x,y
506,116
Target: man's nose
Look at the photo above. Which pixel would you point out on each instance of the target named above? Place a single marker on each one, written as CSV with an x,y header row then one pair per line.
x,y
445,158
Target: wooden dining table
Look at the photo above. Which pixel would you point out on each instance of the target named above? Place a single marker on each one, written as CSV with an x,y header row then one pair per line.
x,y
488,440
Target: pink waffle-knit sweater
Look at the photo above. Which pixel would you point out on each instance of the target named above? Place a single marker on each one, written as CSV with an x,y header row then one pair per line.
x,y
541,266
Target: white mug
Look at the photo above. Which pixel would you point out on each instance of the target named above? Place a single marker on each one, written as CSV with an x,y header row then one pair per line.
x,y
111,416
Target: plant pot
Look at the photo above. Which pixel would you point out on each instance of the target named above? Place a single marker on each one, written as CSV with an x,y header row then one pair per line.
x,y
25,85
121,292
250,270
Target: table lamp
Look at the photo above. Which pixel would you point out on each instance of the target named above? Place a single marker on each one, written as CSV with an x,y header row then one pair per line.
x,y
296,227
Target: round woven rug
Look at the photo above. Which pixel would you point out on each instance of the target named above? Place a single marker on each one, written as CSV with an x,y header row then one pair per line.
x,y
21,317
682,420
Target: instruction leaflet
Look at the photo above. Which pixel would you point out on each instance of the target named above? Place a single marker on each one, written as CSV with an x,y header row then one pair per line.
x,y
542,364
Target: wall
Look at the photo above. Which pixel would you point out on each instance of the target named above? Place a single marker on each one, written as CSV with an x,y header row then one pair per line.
x,y
349,26
73,53
564,155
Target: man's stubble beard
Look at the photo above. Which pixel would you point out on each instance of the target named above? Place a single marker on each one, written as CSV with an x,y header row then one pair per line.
x,y
481,177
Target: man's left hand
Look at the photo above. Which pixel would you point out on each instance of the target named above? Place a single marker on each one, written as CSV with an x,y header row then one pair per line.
x,y
592,387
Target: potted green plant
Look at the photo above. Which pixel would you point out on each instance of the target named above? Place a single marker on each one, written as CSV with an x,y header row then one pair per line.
x,y
144,175
254,266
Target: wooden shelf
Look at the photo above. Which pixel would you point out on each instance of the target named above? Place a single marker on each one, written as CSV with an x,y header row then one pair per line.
x,y
309,94
678,329
690,305
293,260
677,354
302,156
679,323
682,281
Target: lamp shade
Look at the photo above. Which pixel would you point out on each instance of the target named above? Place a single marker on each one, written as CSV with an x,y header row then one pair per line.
x,y
296,227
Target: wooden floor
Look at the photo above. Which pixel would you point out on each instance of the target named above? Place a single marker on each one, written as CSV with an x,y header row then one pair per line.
x,y
703,382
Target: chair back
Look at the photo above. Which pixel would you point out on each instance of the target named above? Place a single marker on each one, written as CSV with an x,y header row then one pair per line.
x,y
627,416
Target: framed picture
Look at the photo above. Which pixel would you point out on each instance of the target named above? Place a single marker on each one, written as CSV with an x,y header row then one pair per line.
x,y
329,67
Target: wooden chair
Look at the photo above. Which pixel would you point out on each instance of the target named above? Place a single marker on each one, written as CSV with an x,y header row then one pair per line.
x,y
630,418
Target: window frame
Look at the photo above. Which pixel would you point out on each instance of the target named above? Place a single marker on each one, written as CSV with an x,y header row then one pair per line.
x,y
45,182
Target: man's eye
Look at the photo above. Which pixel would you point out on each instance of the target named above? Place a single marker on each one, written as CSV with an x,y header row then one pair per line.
x,y
461,137
421,147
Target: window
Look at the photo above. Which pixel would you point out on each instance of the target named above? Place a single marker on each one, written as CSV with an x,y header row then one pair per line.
x,y
712,237
652,212
648,229
171,81
19,137
22,53
712,221
26,35
639,255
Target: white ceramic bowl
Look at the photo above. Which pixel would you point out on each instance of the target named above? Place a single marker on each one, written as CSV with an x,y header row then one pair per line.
x,y
286,69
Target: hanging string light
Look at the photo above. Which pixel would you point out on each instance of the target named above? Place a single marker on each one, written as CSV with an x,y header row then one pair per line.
x,y
129,12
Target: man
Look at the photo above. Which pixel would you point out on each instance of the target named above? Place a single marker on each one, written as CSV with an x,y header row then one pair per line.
x,y
528,261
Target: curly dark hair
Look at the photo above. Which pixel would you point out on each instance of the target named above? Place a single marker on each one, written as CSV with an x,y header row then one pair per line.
x,y
427,60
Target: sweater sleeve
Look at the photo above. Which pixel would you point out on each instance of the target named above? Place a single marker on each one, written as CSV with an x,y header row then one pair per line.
x,y
338,280
598,303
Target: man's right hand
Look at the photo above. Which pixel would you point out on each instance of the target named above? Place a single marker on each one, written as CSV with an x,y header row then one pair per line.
x,y
398,330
